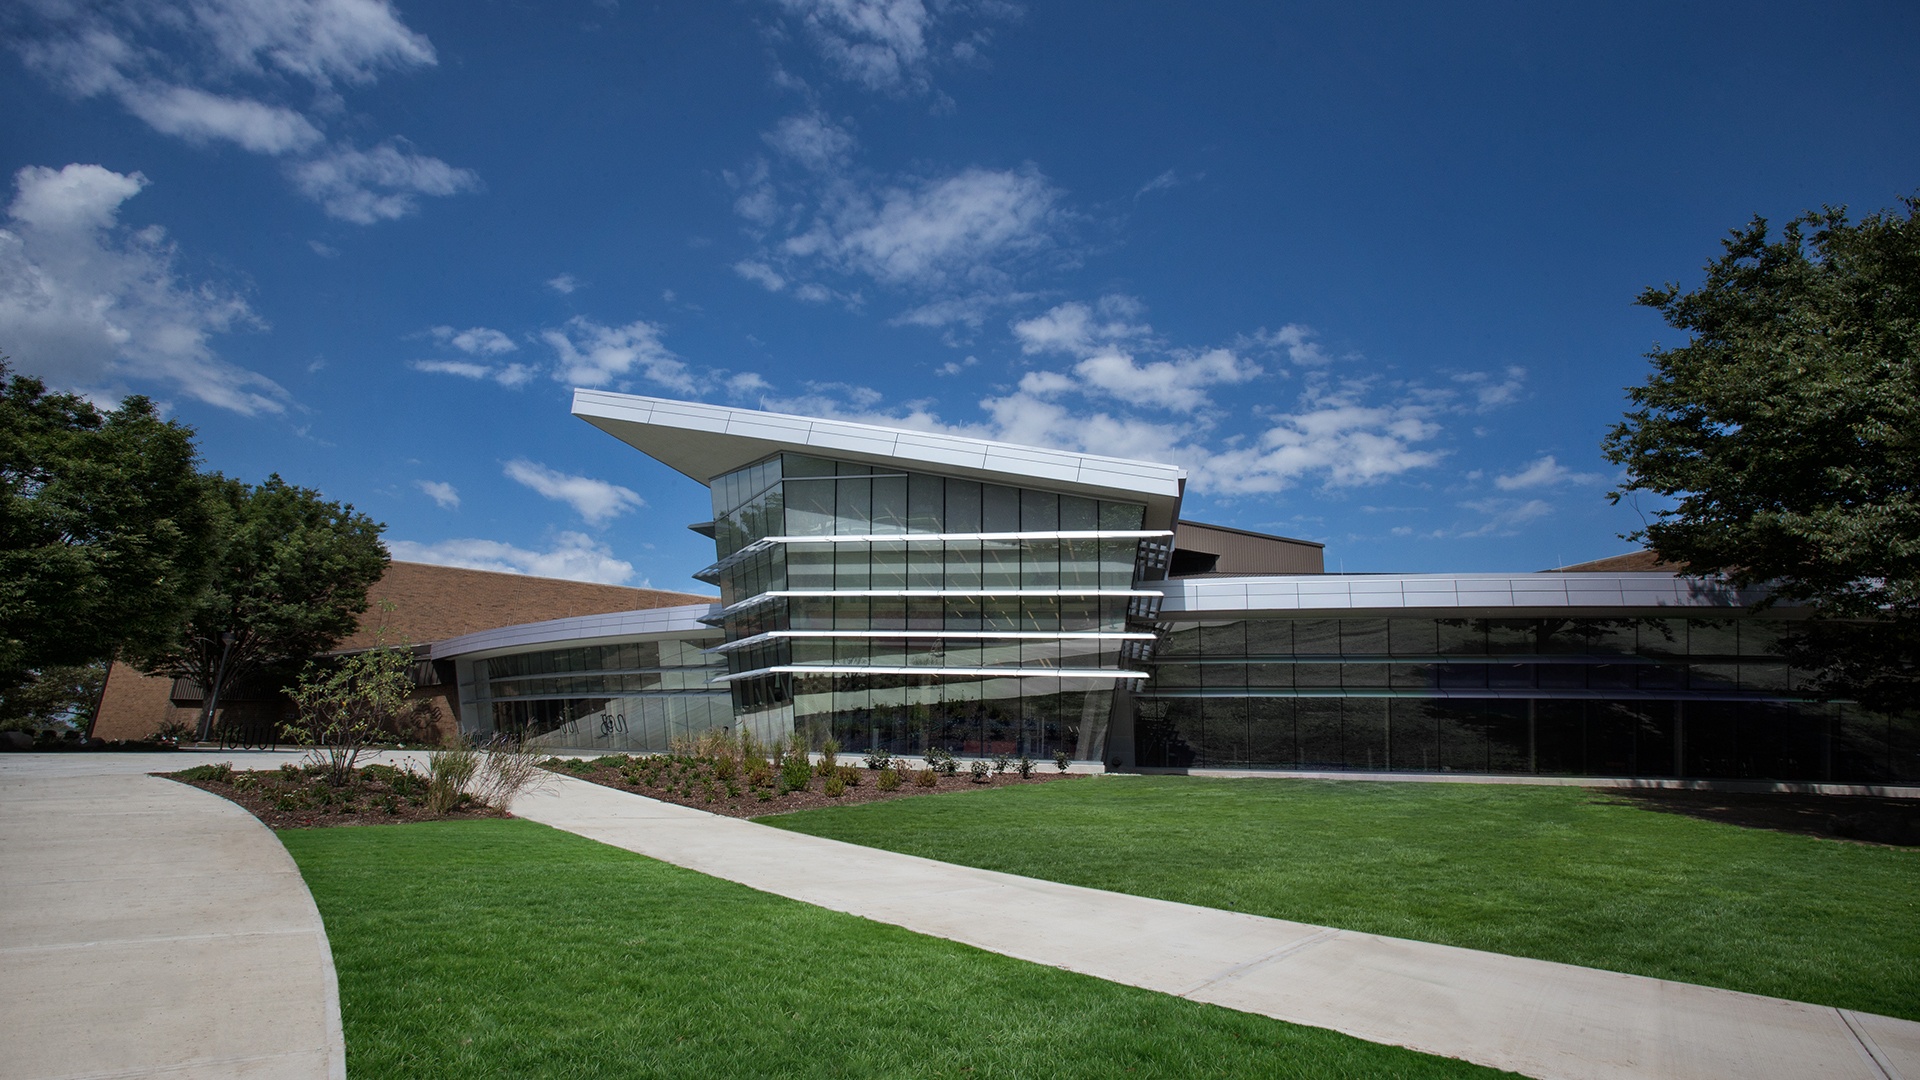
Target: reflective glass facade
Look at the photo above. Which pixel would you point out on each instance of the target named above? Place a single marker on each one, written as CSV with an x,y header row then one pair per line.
x,y
1705,697
634,696
907,610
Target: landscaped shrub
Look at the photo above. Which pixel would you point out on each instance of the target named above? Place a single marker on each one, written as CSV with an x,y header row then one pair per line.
x,y
878,759
1001,763
848,775
888,780
941,760
835,786
795,772
759,773
926,778
829,754
1062,759
979,773
1025,766
450,770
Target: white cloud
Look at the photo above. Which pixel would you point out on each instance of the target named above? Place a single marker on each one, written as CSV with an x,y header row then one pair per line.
x,y
1296,341
592,354
573,556
761,274
1503,517
811,140
444,495
325,251
218,70
747,382
1179,384
507,375
880,44
563,284
955,367
1545,472
1490,390
475,340
937,231
90,305
381,184
198,116
597,501
1076,328
970,311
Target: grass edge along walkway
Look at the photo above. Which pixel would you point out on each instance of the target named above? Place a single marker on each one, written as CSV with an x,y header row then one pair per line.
x,y
1560,874
509,948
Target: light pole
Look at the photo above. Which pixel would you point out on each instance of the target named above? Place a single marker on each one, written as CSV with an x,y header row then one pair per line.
x,y
213,694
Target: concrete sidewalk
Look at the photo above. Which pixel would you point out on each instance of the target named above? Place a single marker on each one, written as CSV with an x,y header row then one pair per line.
x,y
1533,1017
151,929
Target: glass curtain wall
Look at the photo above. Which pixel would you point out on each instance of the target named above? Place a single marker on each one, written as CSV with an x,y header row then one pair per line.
x,y
1692,697
911,610
631,697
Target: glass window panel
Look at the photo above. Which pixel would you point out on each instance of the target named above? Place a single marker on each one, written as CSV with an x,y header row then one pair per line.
x,y
1181,639
792,465
1713,638
1663,637
1562,637
852,566
1411,637
1363,675
964,569
1411,676
1363,637
1223,639
1460,637
1040,564
889,504
1078,514
810,566
1121,517
1767,677
999,509
1760,637
925,503
1270,732
1653,738
812,650
854,506
1039,511
888,612
1176,676
1080,564
1413,731
1000,613
850,613
963,613
1510,676
809,507
1224,731
1317,675
1116,563
1080,613
1363,732
1511,637
1316,637
1721,678
851,468
1040,613
963,506
889,565
1269,637
1461,736
1317,724
925,566
1224,676
1000,564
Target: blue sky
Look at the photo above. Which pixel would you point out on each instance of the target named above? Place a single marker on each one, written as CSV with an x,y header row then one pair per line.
x,y
1367,272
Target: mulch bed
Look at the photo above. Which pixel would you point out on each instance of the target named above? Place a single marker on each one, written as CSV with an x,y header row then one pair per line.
x,y
298,800
1860,818
748,804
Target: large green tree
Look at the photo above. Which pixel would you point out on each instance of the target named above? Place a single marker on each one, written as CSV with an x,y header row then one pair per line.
x,y
1786,430
105,536
290,580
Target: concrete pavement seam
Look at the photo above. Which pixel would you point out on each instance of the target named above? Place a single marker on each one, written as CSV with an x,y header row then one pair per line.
x,y
1290,948
158,939
1868,1047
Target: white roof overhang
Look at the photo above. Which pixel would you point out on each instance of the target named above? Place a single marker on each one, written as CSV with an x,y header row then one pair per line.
x,y
703,441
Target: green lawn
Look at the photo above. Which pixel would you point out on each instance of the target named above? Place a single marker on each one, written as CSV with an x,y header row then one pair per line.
x,y
1555,873
505,948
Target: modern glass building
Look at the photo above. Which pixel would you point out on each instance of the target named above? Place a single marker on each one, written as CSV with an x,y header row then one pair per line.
x,y
907,590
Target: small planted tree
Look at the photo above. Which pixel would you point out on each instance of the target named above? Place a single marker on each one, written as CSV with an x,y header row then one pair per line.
x,y
347,704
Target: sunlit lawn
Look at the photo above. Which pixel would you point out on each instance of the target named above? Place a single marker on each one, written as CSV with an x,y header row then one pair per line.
x,y
1555,873
505,948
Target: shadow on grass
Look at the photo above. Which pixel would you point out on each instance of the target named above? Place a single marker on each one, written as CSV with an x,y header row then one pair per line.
x,y
1836,817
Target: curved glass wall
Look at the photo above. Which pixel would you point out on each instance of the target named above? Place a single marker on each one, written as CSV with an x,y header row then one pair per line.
x,y
1691,697
911,610
636,696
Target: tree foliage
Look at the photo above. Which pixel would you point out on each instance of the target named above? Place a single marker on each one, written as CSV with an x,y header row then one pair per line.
x,y
1787,432
105,537
289,582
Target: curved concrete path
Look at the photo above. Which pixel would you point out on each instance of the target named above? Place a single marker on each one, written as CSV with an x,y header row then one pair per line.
x,y
1534,1017
150,929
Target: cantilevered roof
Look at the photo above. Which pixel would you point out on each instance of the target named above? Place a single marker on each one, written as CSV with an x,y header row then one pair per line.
x,y
704,441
